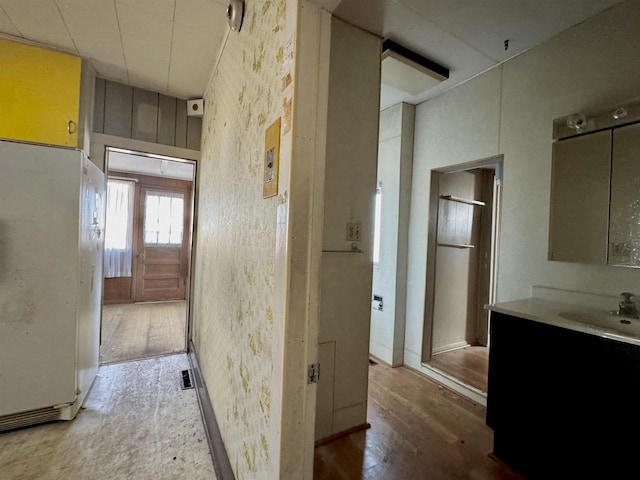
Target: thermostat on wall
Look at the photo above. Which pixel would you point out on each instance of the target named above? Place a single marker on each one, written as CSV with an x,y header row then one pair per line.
x,y
195,108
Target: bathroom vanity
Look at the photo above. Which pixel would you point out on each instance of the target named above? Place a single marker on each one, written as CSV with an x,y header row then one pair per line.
x,y
564,390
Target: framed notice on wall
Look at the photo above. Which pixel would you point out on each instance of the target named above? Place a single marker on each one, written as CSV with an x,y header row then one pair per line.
x,y
271,160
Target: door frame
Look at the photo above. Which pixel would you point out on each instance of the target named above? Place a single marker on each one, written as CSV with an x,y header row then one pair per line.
x,y
434,195
149,150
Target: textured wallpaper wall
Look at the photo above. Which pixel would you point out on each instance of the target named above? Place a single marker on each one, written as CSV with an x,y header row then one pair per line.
x,y
236,307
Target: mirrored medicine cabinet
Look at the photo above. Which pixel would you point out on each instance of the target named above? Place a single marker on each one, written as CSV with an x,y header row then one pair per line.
x,y
595,187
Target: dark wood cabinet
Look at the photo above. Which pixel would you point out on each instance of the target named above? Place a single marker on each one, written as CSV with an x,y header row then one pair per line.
x,y
562,403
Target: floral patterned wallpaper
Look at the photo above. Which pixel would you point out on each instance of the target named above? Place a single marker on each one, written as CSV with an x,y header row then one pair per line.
x,y
235,285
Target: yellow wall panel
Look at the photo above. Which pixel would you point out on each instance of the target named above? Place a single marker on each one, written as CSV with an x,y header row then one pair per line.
x,y
39,94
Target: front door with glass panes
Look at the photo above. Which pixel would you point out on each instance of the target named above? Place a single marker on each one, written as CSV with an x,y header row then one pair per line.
x,y
162,244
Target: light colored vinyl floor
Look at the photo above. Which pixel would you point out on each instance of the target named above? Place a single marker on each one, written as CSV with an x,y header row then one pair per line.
x,y
140,330
137,423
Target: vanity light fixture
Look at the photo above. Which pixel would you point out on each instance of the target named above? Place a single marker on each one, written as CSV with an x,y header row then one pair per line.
x,y
620,113
408,71
577,122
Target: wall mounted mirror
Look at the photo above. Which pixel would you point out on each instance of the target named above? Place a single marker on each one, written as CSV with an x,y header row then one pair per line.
x,y
595,188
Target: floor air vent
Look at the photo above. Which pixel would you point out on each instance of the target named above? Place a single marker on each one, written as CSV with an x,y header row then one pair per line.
x,y
25,419
186,379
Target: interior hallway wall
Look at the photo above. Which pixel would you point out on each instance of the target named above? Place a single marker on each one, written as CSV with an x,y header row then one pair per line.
x,y
238,308
349,195
510,110
131,112
141,120
136,119
395,162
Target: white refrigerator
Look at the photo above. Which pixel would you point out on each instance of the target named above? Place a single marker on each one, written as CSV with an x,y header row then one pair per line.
x,y
51,260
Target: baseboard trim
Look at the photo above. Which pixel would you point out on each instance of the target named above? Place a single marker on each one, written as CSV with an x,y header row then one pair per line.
x,y
335,436
379,360
450,348
452,383
221,463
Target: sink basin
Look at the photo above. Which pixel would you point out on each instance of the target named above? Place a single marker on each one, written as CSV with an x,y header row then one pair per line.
x,y
582,317
604,320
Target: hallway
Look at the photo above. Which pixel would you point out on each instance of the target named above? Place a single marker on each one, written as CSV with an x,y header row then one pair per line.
x,y
137,422
419,430
133,331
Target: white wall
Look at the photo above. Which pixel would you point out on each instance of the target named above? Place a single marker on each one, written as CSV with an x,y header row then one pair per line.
x,y
395,161
509,110
349,192
459,126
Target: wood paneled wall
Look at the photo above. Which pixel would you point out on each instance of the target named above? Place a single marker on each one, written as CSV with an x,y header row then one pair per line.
x,y
131,112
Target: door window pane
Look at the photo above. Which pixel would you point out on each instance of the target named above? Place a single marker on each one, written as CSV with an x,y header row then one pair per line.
x,y
163,218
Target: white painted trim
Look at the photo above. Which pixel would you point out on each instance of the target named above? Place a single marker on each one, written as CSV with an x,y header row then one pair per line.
x,y
451,347
142,146
299,239
454,384
317,224
432,230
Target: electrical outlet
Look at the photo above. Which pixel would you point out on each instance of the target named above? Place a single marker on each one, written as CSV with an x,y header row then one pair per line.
x,y
353,232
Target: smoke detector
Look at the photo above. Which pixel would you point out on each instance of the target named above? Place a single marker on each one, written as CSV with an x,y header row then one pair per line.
x,y
235,13
195,108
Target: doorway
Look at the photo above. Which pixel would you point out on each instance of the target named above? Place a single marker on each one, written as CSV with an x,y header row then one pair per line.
x,y
461,269
148,243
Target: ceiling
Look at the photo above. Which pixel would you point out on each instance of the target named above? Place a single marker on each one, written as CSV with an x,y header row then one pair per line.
x,y
465,36
166,46
170,46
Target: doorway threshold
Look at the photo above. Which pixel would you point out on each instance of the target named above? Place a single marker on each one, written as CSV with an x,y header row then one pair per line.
x,y
148,302
468,391
143,357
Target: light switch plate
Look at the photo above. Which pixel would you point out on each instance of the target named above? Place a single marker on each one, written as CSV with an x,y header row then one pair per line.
x,y
271,160
353,232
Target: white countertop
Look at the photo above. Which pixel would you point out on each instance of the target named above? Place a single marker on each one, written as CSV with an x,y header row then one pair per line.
x,y
584,319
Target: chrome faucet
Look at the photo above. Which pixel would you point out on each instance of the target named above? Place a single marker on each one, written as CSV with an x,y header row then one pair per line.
x,y
627,307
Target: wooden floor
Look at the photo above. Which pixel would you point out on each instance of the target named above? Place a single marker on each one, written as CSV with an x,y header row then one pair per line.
x,y
140,330
419,430
469,365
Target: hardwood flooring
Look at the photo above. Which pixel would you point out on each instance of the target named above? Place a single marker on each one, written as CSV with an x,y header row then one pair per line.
x,y
469,364
419,430
139,330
